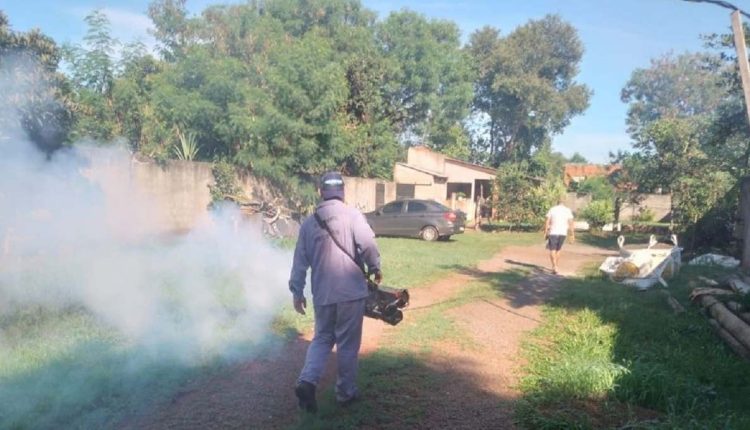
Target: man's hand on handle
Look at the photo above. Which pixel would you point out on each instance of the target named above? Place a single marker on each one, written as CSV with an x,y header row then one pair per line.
x,y
378,277
300,303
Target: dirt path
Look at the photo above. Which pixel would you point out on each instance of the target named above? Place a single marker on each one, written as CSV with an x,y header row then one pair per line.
x,y
482,392
479,391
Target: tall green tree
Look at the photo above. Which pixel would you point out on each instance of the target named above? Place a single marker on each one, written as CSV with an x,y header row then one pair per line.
x,y
173,29
577,158
131,100
92,71
686,86
428,84
672,108
34,93
525,89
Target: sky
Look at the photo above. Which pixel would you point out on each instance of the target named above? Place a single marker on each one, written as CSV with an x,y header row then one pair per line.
x,y
618,36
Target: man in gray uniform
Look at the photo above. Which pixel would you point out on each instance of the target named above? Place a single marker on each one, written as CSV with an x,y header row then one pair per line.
x,y
339,288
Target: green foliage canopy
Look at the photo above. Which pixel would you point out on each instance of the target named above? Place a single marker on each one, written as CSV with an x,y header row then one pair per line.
x,y
525,86
33,91
672,119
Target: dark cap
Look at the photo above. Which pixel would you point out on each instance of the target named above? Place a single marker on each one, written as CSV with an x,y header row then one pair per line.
x,y
332,186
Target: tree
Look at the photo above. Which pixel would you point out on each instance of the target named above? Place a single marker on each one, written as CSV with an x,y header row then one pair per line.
x,y
525,90
173,29
527,189
577,158
672,109
686,86
92,71
34,93
131,99
92,65
427,89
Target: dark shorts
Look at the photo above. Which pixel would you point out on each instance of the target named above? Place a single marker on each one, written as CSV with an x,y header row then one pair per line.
x,y
555,242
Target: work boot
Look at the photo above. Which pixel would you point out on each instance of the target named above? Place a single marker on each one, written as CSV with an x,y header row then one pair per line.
x,y
348,402
305,392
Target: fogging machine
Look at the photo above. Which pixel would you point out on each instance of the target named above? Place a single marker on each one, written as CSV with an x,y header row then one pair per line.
x,y
385,303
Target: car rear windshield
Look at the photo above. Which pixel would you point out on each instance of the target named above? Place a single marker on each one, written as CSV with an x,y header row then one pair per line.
x,y
440,207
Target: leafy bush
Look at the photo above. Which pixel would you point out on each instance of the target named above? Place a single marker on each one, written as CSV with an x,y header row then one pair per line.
x,y
598,213
225,182
644,215
598,186
523,197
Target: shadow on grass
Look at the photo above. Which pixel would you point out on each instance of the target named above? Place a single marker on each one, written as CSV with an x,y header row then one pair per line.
x,y
99,386
600,240
405,390
94,385
399,389
81,378
666,370
526,285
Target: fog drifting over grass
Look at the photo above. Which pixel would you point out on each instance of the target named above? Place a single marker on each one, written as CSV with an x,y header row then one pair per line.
x,y
73,238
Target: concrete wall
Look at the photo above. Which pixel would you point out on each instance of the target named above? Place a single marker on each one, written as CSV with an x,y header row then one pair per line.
x,y
659,204
576,202
175,196
435,192
406,175
161,198
459,173
146,198
362,192
180,189
423,157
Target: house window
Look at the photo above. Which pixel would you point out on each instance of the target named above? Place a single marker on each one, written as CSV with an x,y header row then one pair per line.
x,y
460,188
404,191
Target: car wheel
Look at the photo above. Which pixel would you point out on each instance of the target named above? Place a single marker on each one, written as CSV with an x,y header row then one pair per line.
x,y
445,238
429,233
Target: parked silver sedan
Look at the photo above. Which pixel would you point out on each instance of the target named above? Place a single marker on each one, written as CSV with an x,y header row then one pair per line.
x,y
427,219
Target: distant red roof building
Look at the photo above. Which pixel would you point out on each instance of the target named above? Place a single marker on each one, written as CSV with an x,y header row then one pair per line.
x,y
577,172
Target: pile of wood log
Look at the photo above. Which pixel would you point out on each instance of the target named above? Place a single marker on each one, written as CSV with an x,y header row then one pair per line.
x,y
724,305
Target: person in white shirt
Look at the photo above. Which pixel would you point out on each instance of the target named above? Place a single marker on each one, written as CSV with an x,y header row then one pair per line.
x,y
556,228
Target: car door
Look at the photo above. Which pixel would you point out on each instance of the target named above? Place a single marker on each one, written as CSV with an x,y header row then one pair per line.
x,y
385,221
415,217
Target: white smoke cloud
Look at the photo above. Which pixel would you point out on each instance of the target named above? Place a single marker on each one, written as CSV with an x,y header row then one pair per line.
x,y
69,238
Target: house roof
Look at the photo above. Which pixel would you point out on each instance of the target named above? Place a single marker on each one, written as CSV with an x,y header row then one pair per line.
x,y
578,170
473,166
422,170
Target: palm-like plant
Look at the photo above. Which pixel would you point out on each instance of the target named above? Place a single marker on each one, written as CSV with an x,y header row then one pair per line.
x,y
186,147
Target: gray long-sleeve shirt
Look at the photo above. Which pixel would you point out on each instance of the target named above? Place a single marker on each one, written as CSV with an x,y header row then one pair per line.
x,y
335,277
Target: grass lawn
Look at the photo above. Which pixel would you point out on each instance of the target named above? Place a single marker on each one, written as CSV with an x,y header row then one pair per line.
x,y
605,356
608,356
395,378
65,369
413,263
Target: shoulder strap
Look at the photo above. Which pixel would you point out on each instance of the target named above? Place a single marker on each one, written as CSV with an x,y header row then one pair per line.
x,y
324,226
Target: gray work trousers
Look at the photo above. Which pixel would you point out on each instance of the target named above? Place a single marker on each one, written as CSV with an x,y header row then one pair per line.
x,y
339,324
